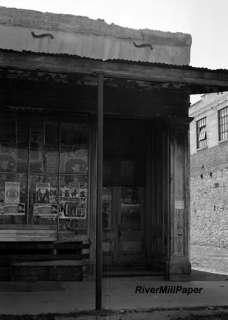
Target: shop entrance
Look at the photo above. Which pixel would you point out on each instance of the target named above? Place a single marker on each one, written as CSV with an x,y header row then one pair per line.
x,y
123,212
124,195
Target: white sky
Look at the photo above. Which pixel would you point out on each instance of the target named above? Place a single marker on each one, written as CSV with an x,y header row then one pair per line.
x,y
205,20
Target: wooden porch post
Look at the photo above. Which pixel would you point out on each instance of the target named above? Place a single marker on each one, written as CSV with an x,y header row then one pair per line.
x,y
178,266
99,193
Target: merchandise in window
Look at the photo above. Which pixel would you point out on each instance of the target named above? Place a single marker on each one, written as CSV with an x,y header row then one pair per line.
x,y
43,172
43,198
12,197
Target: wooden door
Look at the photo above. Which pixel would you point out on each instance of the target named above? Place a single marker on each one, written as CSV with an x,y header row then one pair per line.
x,y
130,230
123,215
123,200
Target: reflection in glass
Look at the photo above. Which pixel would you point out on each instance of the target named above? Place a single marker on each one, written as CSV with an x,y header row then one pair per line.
x,y
51,160
51,133
44,147
44,198
8,159
8,132
30,154
74,134
36,134
127,172
130,195
107,207
73,202
73,197
74,160
131,207
12,197
22,158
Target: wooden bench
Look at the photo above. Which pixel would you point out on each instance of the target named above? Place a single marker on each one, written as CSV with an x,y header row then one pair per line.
x,y
27,257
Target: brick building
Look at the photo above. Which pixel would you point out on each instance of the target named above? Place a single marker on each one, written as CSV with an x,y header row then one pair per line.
x,y
209,170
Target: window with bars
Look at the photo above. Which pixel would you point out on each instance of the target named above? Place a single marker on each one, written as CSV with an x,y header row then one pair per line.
x,y
223,123
201,133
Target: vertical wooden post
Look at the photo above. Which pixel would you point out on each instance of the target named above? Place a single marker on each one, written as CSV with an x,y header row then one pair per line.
x,y
99,193
28,175
178,264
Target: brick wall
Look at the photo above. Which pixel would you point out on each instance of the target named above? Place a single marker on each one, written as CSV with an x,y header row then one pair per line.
x,y
207,107
209,196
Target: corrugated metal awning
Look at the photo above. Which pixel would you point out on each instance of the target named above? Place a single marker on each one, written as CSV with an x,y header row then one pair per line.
x,y
185,78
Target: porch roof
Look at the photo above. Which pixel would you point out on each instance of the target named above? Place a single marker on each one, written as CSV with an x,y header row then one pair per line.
x,y
188,79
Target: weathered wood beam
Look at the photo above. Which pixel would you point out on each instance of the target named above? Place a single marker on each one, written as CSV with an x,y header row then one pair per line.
x,y
99,260
198,80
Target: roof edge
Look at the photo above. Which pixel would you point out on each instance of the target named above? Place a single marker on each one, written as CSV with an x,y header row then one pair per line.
x,y
81,24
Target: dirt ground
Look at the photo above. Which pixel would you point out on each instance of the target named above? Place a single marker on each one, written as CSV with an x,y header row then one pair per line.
x,y
210,259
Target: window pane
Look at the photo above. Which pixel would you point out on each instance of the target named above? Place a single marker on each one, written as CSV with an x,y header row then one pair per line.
x,y
51,134
44,147
74,134
74,148
201,133
131,207
8,131
22,132
12,198
223,123
128,172
107,208
74,160
73,202
51,160
43,199
22,158
8,158
36,147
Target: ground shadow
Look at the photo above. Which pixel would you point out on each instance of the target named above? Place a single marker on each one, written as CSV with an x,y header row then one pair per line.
x,y
197,275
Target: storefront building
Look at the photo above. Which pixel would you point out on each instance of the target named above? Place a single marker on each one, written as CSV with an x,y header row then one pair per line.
x,y
83,102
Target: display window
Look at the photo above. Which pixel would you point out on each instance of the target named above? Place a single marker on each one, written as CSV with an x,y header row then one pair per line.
x,y
44,172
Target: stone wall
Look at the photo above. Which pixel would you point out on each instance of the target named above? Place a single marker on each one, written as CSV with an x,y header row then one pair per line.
x,y
209,196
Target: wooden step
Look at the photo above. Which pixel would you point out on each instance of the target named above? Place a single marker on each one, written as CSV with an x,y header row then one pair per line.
x,y
32,273
48,263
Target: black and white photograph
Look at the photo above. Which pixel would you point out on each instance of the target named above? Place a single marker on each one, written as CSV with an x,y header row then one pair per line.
x,y
113,160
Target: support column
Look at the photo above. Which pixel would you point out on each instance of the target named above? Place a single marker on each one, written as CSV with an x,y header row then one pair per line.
x,y
99,263
156,196
178,263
